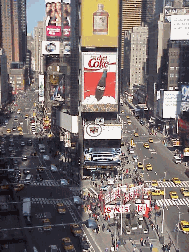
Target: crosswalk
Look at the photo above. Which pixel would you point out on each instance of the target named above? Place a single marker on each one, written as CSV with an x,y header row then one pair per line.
x,y
170,202
44,183
46,201
168,184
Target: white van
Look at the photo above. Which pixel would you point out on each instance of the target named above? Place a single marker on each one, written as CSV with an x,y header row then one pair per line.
x,y
28,179
177,160
111,181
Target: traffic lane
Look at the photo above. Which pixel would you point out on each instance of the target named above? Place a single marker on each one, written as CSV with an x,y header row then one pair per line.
x,y
161,162
172,219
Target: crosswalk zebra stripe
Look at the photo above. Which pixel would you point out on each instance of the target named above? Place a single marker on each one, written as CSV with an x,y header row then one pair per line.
x,y
170,202
180,202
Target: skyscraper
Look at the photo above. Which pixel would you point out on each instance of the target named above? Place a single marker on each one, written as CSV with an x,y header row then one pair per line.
x,y
14,29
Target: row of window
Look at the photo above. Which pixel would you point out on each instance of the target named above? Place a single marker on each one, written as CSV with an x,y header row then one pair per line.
x,y
174,75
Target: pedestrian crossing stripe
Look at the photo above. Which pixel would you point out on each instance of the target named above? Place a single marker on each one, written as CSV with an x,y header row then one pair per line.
x,y
50,201
170,202
168,184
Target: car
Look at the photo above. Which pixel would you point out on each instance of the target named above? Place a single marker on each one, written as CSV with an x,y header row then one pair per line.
x,y
40,169
29,142
5,187
149,167
140,165
10,148
38,177
19,128
8,130
146,145
185,192
61,208
18,187
135,158
21,122
128,117
76,230
150,140
64,182
67,245
54,168
26,172
22,143
184,226
53,248
173,195
15,119
129,122
176,180
131,151
157,192
14,128
46,225
154,183
122,112
142,122
136,134
18,111
26,116
24,158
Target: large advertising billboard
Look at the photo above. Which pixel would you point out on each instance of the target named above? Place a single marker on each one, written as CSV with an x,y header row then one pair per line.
x,y
99,23
179,27
50,47
185,98
41,88
97,131
99,82
171,104
53,18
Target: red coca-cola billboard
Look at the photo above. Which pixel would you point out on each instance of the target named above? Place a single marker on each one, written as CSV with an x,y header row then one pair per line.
x,y
183,125
99,81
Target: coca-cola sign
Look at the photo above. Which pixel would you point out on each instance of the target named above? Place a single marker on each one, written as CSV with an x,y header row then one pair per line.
x,y
99,78
98,62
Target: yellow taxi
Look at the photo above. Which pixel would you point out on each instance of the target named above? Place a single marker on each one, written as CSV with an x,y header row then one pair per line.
x,y
5,187
21,133
150,140
133,145
146,145
128,117
173,195
67,244
154,183
129,122
184,226
136,134
61,208
26,116
122,111
19,187
185,192
19,128
140,165
46,225
8,131
76,230
131,185
176,180
157,192
149,167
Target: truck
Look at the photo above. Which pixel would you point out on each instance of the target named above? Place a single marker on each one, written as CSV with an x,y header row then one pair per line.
x,y
41,148
26,207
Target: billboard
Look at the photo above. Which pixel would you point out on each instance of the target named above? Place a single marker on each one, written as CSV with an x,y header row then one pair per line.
x,y
171,104
50,47
183,125
99,23
53,18
66,47
184,98
179,27
41,87
97,131
116,209
99,82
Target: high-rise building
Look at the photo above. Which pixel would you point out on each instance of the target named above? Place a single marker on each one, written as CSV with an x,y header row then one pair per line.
x,y
134,13
14,30
39,36
4,87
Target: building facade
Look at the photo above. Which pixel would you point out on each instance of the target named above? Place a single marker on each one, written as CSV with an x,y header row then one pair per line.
x,y
14,30
4,87
39,36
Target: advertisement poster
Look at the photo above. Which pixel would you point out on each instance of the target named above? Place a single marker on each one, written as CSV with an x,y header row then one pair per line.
x,y
41,87
54,18
99,23
99,79
179,27
50,47
113,209
171,104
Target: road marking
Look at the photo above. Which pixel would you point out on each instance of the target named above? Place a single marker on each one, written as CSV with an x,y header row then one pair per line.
x,y
170,202
168,184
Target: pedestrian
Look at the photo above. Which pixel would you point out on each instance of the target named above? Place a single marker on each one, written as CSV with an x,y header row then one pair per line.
x,y
103,227
141,241
99,229
151,246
